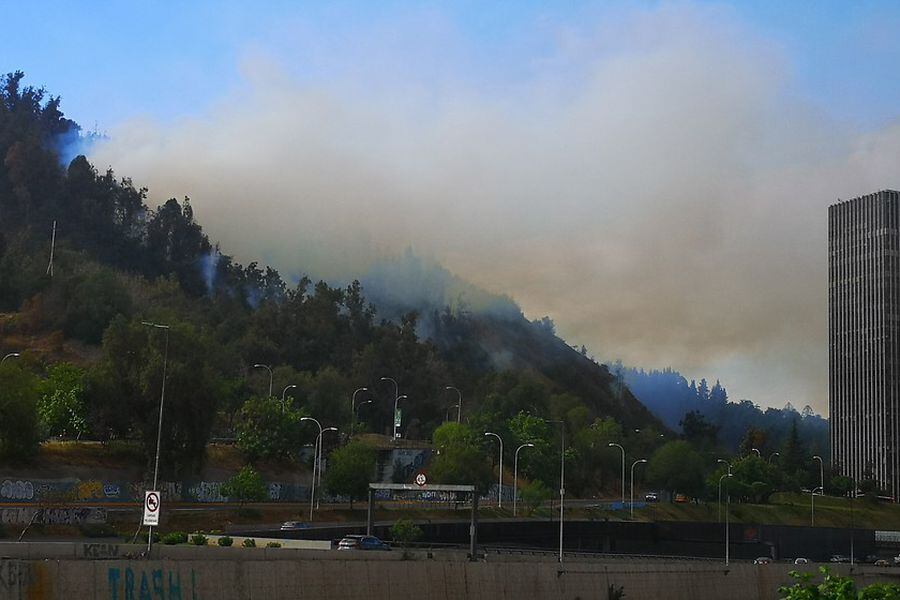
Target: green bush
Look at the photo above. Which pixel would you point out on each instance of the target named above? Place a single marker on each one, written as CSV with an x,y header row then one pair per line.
x,y
405,531
175,537
225,541
249,543
273,545
198,539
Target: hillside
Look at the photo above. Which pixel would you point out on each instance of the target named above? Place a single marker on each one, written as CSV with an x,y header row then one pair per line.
x,y
238,339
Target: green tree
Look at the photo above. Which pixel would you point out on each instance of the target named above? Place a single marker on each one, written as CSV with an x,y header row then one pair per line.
x,y
835,587
677,467
268,429
19,393
459,458
91,303
698,431
61,407
350,470
533,494
123,390
246,486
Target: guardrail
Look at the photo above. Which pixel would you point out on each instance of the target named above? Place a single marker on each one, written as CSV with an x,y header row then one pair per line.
x,y
594,555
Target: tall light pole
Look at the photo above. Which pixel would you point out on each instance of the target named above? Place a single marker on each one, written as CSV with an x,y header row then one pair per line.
x,y
269,369
458,401
562,480
312,493
757,452
283,399
727,464
162,401
396,398
620,447
321,448
10,355
397,422
633,465
727,502
353,407
773,455
821,473
812,505
500,485
356,412
447,413
516,475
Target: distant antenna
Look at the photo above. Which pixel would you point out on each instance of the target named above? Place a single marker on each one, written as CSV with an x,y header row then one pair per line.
x,y
52,248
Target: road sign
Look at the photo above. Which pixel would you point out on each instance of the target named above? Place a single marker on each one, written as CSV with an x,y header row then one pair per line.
x,y
421,480
151,508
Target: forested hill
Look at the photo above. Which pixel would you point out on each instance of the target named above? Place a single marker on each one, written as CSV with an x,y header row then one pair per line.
x,y
118,262
669,395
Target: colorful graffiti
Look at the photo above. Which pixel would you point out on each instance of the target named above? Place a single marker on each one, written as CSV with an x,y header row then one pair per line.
x,y
130,584
17,490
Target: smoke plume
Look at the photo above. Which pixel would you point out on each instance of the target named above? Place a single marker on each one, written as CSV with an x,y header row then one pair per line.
x,y
654,183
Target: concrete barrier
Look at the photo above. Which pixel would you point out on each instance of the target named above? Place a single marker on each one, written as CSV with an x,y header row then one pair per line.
x,y
387,576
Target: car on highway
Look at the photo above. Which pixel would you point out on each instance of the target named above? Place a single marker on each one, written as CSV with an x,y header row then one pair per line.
x,y
651,497
294,525
801,561
681,499
362,542
838,558
881,563
762,560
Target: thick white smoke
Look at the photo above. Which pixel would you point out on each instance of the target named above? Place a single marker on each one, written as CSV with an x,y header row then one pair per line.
x,y
652,185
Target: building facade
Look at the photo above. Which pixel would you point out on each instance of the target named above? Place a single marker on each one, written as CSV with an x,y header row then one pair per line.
x,y
864,343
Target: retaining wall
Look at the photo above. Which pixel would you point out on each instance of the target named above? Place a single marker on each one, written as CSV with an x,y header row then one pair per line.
x,y
385,576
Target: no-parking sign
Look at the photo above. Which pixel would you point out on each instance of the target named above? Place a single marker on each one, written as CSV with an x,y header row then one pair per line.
x,y
151,508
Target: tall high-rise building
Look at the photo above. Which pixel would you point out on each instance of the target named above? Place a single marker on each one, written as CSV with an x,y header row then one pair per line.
x,y
864,337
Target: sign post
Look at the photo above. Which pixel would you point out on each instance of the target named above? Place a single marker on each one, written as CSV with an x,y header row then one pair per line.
x,y
152,504
398,420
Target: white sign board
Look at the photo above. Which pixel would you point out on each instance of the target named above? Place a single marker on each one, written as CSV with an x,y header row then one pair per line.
x,y
421,479
151,508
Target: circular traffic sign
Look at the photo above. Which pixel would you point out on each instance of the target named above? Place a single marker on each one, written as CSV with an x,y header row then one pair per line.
x,y
421,479
152,502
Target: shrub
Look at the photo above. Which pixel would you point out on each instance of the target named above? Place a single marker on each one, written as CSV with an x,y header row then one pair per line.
x,y
273,545
198,539
246,486
175,537
249,543
405,531
225,541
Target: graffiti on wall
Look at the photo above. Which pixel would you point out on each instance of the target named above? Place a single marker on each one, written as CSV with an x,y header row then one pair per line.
x,y
52,516
136,582
16,490
406,462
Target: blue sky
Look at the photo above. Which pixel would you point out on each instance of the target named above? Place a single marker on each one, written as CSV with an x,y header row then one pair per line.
x,y
113,60
654,176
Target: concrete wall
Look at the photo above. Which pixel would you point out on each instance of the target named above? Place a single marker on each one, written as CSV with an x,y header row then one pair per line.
x,y
382,576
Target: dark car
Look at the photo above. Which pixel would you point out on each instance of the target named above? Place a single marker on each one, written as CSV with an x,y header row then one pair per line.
x,y
362,542
293,525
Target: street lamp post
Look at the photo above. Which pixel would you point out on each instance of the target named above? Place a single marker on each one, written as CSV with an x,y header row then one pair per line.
x,y
812,506
724,462
283,399
516,475
269,369
619,446
773,455
353,407
162,401
562,480
447,414
396,398
757,452
500,484
10,355
312,493
396,420
821,472
356,412
727,503
458,402
321,448
633,465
